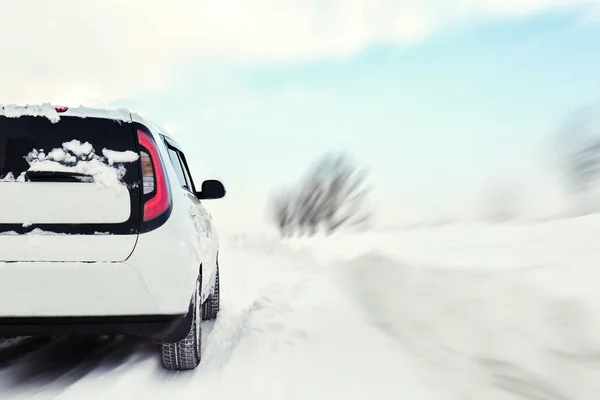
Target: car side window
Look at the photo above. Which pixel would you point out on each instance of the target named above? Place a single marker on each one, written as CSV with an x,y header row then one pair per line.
x,y
178,168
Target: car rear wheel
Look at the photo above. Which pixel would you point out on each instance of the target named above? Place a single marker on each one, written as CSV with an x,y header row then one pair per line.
x,y
186,353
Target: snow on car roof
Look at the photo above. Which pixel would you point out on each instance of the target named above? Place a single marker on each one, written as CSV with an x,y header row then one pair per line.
x,y
54,112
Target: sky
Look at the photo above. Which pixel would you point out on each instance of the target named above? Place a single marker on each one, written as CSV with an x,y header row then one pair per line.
x,y
443,101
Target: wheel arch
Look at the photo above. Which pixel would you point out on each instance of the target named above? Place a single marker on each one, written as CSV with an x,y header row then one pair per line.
x,y
185,325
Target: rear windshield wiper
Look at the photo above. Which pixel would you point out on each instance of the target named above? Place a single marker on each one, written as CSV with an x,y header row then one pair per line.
x,y
56,176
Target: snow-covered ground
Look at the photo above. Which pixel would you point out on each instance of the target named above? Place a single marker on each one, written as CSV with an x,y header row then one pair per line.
x,y
459,312
285,331
499,312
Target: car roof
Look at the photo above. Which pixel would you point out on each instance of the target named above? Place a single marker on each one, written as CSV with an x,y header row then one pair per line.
x,y
54,112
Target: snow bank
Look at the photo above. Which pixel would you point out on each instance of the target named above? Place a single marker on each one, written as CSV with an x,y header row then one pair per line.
x,y
491,335
500,312
503,246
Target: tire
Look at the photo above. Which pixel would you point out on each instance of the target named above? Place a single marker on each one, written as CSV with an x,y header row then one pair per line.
x,y
212,305
186,353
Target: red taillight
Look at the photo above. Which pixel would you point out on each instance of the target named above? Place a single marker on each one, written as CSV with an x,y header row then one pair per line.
x,y
153,179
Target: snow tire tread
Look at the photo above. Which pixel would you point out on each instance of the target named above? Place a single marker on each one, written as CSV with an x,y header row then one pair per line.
x,y
184,354
211,307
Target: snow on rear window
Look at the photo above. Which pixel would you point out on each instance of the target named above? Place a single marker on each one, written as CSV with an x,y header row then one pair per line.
x,y
81,158
115,157
11,178
77,148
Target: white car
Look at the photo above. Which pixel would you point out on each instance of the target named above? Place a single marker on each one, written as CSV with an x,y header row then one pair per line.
x,y
103,231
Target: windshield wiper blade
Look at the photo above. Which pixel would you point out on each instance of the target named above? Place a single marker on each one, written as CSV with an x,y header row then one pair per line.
x,y
56,176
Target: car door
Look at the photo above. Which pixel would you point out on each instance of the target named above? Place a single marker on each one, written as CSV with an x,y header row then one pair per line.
x,y
209,235
199,215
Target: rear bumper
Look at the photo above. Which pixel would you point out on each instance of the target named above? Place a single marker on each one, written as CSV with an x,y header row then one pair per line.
x,y
158,326
109,292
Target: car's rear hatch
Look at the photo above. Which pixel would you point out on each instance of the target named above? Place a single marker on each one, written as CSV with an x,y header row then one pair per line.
x,y
69,189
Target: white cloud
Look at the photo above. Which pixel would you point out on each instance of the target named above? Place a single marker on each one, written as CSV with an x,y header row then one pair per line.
x,y
95,50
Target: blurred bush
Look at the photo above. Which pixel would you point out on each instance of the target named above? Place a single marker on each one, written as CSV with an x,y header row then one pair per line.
x,y
580,154
331,196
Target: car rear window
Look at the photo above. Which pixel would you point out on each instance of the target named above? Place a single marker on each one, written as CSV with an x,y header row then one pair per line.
x,y
72,138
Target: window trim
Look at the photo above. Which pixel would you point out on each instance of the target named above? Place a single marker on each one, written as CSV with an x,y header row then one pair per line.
x,y
186,173
172,145
173,153
187,169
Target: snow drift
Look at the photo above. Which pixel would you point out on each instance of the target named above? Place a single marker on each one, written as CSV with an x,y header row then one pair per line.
x,y
500,312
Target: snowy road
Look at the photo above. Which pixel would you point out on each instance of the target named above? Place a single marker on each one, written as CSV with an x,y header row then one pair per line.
x,y
286,331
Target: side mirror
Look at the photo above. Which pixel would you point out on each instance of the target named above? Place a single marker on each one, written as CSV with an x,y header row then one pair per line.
x,y
211,190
